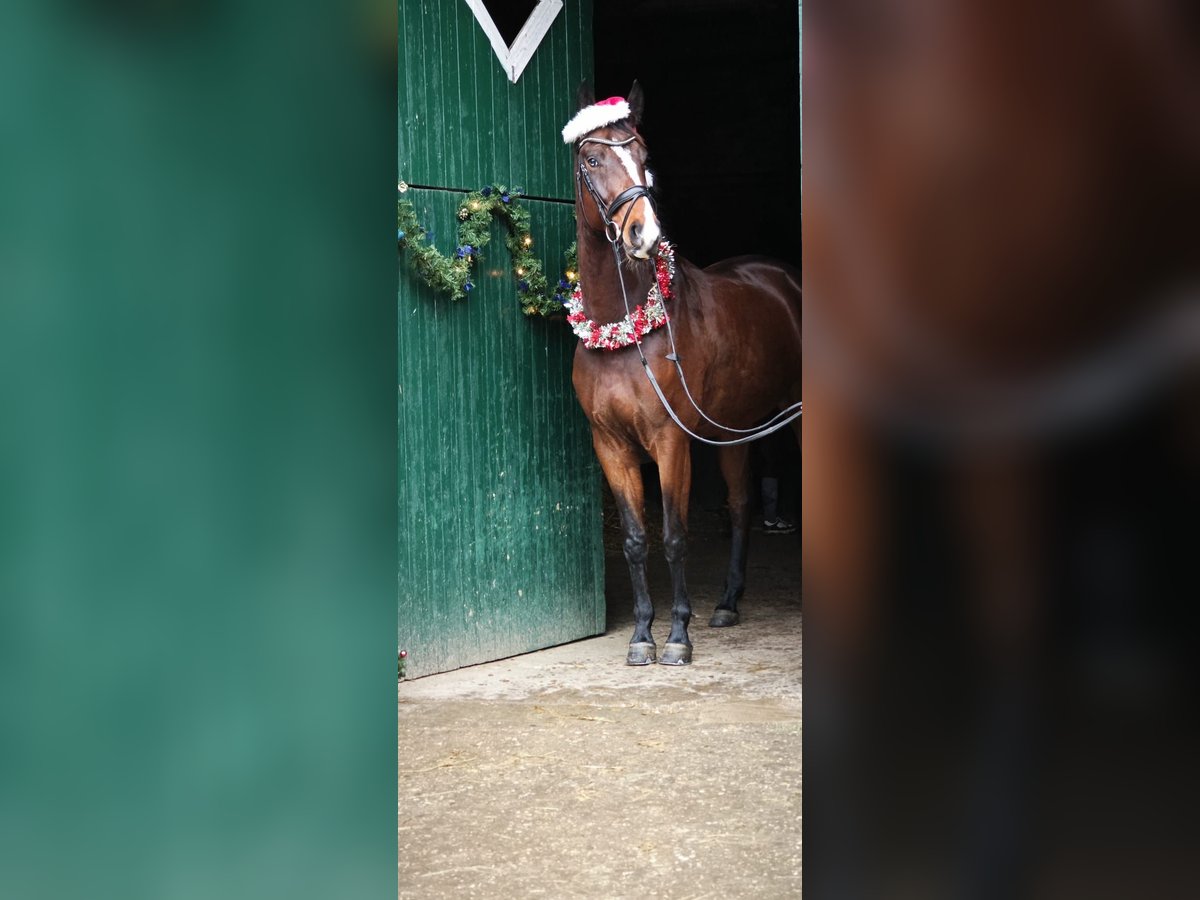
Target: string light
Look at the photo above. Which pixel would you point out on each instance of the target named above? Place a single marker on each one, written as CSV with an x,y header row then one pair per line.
x,y
527,241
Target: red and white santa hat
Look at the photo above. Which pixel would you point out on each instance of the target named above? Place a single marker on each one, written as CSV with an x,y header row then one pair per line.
x,y
604,112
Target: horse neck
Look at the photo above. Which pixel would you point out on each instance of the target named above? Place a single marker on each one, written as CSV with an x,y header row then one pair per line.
x,y
598,276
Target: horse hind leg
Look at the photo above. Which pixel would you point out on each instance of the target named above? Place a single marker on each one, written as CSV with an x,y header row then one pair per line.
x,y
735,467
623,471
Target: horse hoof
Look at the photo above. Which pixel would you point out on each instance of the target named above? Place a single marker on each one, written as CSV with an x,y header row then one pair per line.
x,y
640,655
723,618
676,655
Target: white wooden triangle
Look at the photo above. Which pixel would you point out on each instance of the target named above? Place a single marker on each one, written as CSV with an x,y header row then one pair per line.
x,y
514,59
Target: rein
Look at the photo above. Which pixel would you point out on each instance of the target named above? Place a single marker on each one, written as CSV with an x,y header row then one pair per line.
x,y
607,212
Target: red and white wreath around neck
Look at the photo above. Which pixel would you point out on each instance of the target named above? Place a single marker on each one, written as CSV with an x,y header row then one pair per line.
x,y
644,318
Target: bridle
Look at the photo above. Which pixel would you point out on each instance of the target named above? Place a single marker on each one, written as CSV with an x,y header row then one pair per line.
x,y
612,233
608,211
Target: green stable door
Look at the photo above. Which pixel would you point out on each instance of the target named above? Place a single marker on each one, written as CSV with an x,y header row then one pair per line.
x,y
499,510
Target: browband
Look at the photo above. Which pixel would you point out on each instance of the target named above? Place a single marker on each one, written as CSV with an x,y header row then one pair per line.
x,y
608,143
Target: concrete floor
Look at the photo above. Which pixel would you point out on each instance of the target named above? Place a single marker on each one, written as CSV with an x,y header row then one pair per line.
x,y
565,773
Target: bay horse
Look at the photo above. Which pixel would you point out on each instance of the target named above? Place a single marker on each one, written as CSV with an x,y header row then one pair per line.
x,y
735,327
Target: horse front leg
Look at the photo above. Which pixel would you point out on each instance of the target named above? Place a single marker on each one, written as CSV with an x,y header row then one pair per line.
x,y
623,471
675,476
735,467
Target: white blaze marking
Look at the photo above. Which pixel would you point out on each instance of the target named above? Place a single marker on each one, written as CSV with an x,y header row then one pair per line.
x,y
626,159
650,229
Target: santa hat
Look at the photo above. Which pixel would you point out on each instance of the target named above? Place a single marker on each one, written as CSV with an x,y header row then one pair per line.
x,y
606,112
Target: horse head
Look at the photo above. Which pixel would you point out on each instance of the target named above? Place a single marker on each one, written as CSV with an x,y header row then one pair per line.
x,y
612,181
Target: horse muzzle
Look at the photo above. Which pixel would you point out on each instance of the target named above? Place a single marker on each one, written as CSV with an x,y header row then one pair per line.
x,y
639,231
641,237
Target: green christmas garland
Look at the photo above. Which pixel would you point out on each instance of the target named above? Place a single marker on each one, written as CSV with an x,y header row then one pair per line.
x,y
452,274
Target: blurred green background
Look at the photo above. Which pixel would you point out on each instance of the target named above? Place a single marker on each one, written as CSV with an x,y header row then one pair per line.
x,y
197,488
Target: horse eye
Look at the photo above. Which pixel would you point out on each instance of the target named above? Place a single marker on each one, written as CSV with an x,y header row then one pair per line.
x,y
592,161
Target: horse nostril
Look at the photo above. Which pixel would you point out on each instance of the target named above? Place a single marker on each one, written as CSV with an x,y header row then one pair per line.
x,y
635,232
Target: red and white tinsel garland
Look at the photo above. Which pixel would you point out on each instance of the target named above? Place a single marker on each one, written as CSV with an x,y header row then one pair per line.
x,y
643,319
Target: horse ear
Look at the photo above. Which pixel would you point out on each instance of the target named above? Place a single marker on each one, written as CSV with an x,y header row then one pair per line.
x,y
636,102
586,96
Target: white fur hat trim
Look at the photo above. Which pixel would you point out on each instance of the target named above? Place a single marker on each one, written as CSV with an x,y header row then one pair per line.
x,y
614,109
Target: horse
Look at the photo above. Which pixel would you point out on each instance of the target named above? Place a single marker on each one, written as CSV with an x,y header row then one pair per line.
x,y
715,345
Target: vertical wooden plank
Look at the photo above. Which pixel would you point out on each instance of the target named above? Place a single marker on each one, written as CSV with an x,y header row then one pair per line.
x,y
408,62
475,125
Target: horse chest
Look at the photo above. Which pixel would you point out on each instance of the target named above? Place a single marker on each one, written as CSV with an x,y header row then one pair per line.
x,y
615,395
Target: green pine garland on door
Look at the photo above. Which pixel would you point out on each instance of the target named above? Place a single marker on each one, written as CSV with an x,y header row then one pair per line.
x,y
452,274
